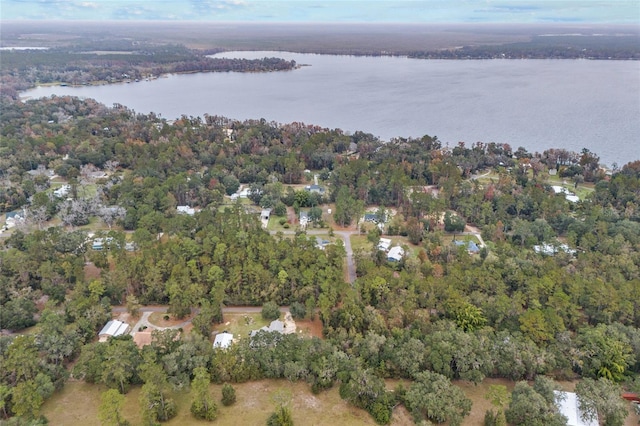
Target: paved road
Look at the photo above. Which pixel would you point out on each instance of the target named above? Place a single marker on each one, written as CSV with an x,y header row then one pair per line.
x,y
351,266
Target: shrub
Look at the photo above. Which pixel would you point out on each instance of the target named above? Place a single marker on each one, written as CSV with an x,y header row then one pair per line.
x,y
281,417
228,395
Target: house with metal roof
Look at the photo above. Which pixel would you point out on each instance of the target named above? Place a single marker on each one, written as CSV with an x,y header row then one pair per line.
x,y
395,254
223,340
113,328
567,403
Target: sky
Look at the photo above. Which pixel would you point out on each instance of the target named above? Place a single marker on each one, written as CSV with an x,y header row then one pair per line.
x,y
343,11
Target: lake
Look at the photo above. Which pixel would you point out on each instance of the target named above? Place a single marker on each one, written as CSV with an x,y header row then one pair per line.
x,y
537,104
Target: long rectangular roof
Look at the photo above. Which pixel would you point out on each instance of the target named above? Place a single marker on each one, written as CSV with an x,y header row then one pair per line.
x,y
114,328
568,407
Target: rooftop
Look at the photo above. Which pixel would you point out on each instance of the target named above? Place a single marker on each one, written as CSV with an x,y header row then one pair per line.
x,y
223,340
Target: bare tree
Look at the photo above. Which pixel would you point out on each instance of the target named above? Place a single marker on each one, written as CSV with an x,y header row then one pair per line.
x,y
111,215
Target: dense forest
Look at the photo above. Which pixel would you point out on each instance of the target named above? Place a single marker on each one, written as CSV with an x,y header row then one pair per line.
x,y
441,313
116,61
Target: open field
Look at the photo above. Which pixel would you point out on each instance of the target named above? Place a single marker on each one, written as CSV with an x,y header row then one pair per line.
x,y
240,325
78,404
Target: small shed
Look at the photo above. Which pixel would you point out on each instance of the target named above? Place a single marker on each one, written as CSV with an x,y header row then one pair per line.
x,y
223,340
264,214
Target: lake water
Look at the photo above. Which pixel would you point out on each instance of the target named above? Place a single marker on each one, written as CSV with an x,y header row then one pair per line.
x,y
537,104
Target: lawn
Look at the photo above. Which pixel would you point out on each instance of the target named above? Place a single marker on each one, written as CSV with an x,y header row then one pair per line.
x,y
240,325
78,404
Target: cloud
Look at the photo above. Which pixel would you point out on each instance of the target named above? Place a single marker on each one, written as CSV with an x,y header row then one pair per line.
x,y
612,11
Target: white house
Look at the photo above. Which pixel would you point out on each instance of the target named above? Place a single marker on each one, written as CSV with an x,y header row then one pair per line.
x,y
244,193
315,188
395,254
186,210
223,340
551,249
304,219
384,244
12,219
568,195
63,191
567,403
112,329
276,326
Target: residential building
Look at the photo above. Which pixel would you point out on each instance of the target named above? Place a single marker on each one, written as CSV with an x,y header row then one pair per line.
x,y
567,403
223,340
113,328
395,254
186,210
315,188
384,244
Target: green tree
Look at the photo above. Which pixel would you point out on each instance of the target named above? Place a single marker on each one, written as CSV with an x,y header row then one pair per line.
x,y
298,310
120,363
26,399
231,184
280,417
21,361
280,209
110,409
606,352
364,389
228,395
453,222
208,314
600,400
270,310
155,404
529,408
432,396
347,208
5,395
202,406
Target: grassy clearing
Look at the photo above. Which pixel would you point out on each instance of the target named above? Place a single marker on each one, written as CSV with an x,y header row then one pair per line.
x,y
360,242
158,319
78,404
240,325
